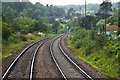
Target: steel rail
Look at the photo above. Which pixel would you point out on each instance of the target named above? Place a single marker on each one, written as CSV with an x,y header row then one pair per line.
x,y
33,61
74,64
5,75
54,59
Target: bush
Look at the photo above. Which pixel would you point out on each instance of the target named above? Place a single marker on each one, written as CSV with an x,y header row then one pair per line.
x,y
89,46
6,31
32,37
77,44
88,40
96,59
23,38
112,48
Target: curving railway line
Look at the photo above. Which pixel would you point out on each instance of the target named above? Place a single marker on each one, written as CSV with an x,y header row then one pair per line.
x,y
27,64
68,68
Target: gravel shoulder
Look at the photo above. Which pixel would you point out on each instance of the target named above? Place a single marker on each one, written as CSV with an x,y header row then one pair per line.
x,y
85,66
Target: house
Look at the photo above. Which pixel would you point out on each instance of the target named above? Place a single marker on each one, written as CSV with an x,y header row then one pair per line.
x,y
112,28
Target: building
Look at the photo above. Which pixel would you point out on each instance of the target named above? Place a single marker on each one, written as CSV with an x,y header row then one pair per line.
x,y
112,28
112,31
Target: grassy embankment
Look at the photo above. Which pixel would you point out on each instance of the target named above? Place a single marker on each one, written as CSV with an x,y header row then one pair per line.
x,y
104,60
16,43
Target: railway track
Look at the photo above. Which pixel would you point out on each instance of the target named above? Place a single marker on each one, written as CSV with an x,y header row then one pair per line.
x,y
67,67
22,66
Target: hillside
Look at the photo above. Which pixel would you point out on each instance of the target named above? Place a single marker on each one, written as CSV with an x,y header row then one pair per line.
x,y
90,7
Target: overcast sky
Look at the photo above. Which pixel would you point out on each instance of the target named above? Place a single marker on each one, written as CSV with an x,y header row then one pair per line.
x,y
68,2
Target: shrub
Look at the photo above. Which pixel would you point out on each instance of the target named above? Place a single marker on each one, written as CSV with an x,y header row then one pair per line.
x,y
96,59
77,44
112,48
31,37
89,40
89,46
6,31
23,38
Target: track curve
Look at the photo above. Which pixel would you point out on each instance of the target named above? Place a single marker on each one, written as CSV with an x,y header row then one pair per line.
x,y
66,66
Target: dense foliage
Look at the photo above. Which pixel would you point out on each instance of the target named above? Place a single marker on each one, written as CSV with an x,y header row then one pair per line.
x,y
27,9
100,51
87,22
24,22
91,41
25,17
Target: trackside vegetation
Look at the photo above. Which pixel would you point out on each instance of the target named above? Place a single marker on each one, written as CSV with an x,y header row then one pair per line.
x,y
23,23
96,49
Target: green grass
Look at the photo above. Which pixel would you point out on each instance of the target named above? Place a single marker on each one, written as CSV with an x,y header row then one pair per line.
x,y
63,25
50,35
9,48
107,66
0,46
0,50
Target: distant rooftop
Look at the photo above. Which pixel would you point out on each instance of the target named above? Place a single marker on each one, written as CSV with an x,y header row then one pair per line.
x,y
112,28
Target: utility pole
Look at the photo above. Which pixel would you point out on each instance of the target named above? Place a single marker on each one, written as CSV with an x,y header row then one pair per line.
x,y
80,10
85,8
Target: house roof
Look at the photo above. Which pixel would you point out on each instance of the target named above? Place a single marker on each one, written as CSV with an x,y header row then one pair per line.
x,y
112,28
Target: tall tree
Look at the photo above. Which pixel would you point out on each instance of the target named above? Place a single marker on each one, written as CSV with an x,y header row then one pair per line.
x,y
105,11
119,14
70,13
118,17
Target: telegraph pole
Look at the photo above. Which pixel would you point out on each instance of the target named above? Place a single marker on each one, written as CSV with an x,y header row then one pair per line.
x,y
80,10
85,8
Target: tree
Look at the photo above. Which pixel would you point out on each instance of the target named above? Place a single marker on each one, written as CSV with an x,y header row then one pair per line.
x,y
55,26
87,22
22,24
6,31
118,33
70,13
113,20
99,25
105,11
38,26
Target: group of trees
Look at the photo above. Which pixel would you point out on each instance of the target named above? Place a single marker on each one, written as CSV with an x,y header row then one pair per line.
x,y
25,17
87,22
106,15
27,9
104,12
88,38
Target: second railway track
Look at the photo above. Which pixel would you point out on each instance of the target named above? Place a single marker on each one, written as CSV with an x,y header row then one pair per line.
x,y
68,68
22,66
